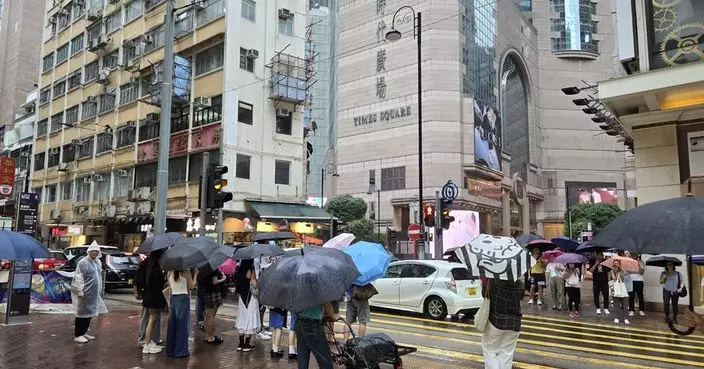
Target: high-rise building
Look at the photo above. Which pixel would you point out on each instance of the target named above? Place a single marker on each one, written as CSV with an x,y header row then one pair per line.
x,y
240,90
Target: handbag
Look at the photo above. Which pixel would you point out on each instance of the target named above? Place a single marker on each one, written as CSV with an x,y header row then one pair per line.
x,y
683,291
620,287
364,292
481,318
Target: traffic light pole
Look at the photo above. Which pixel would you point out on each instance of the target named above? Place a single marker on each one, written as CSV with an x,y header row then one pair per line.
x,y
204,193
438,226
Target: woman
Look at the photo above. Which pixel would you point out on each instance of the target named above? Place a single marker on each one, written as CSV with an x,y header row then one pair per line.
x,y
153,299
618,277
573,286
637,279
537,278
248,321
556,282
502,330
210,285
671,281
180,282
86,291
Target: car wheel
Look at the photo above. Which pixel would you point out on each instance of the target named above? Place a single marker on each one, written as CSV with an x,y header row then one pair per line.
x,y
435,308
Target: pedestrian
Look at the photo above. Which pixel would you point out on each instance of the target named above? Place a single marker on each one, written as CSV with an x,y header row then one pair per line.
x,y
600,282
260,264
556,282
277,321
154,300
200,307
671,281
248,318
573,287
139,287
311,336
86,293
637,279
181,283
358,308
211,284
537,278
501,332
618,277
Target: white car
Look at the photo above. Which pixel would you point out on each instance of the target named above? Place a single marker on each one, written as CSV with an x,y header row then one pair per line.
x,y
432,287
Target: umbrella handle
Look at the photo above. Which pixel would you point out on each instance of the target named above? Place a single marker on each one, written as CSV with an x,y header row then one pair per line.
x,y
674,329
689,330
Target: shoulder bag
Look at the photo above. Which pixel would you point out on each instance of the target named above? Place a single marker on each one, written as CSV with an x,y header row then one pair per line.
x,y
364,292
620,287
682,292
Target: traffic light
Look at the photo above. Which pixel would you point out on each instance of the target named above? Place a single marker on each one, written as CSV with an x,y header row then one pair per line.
x,y
429,215
446,218
216,197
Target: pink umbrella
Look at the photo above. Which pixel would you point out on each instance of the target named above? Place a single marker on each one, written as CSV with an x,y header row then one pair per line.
x,y
547,254
228,267
340,241
627,264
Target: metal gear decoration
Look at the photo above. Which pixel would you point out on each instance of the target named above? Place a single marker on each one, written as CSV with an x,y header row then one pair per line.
x,y
665,3
686,41
664,19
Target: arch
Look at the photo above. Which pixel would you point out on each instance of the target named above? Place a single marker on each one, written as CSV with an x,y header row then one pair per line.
x,y
516,109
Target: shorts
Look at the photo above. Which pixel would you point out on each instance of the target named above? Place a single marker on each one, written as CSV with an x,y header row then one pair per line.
x,y
212,300
277,319
537,279
358,310
293,321
335,306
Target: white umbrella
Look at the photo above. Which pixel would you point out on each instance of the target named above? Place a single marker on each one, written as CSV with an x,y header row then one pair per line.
x,y
340,241
495,257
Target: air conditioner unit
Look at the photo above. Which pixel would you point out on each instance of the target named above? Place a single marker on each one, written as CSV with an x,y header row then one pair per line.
x,y
283,112
87,180
130,123
202,102
144,193
54,150
285,14
110,211
143,208
81,210
76,142
91,99
198,4
252,54
121,173
153,117
130,209
98,178
134,80
128,43
94,14
147,39
55,213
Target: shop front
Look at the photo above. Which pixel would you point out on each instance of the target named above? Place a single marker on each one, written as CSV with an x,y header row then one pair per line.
x,y
309,224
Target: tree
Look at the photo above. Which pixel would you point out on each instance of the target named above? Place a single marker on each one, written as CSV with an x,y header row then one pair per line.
x,y
599,215
347,208
362,229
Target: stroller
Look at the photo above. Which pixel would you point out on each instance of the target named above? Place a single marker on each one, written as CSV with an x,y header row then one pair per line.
x,y
365,352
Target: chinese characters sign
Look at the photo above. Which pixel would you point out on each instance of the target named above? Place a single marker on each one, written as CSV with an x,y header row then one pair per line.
x,y
381,53
149,151
27,214
206,138
7,175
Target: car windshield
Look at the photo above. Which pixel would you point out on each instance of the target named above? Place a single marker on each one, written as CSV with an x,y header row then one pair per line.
x,y
123,259
461,274
58,255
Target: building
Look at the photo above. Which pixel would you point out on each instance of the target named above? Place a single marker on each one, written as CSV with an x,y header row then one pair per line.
x,y
20,40
239,93
494,119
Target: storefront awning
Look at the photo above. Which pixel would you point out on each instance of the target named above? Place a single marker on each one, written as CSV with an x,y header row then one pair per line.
x,y
288,211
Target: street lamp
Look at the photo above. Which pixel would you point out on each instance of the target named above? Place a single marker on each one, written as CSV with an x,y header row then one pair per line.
x,y
323,172
395,35
372,188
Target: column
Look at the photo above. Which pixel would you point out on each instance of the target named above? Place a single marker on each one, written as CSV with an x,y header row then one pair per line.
x,y
506,212
525,209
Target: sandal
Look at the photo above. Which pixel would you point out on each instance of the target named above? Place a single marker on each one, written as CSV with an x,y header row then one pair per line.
x,y
216,341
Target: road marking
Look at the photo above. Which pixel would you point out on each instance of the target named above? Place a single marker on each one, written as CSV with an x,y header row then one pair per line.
x,y
469,357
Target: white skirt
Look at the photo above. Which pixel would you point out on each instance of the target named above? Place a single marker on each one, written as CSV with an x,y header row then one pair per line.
x,y
248,321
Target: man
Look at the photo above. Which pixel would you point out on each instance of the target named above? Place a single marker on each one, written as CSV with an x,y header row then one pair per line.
x,y
86,291
501,332
600,281
358,309
311,336
138,286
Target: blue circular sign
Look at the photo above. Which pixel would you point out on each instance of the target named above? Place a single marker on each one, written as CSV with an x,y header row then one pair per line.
x,y
449,191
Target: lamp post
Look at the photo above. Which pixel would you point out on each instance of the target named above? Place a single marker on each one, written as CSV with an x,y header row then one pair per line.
x,y
323,172
395,35
372,188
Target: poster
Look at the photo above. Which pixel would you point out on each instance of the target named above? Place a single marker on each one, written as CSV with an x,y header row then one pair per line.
x,y
591,193
487,136
27,214
7,175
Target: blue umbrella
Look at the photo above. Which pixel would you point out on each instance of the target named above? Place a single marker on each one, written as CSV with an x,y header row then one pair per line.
x,y
565,243
19,246
371,260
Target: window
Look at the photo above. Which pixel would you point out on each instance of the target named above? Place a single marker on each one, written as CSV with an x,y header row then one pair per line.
x,y
126,135
45,95
177,169
93,31
145,175
64,17
372,178
249,10
184,24
54,155
111,60
57,122
145,85
394,271
246,61
90,109
104,143
72,115
112,22
77,44
66,190
86,148
156,37
286,26
148,130
106,102
572,22
82,189
39,161
417,271
130,50
284,122
69,153
50,193
393,178
128,93
242,166
92,71
214,9
210,59
78,9
195,167
59,87
282,172
245,113
48,62
62,53
74,79
101,186
148,4
209,115
133,10
123,183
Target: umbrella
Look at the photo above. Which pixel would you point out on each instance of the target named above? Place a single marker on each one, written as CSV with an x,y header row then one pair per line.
x,y
495,257
565,243
627,264
698,260
189,253
674,226
570,258
371,260
307,277
661,261
589,247
19,246
525,239
217,258
340,241
258,250
159,241
541,244
273,236
547,254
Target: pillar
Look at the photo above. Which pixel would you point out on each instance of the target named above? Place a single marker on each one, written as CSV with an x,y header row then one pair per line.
x,y
506,212
525,217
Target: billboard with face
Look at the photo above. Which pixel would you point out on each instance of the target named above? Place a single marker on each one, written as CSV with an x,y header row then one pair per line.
x,y
591,193
487,136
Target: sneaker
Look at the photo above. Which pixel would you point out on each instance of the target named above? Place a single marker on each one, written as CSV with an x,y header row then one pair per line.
x,y
625,321
631,313
151,348
263,336
540,302
607,312
80,339
240,347
293,356
559,307
248,348
598,311
141,343
201,326
554,307
641,312
530,302
89,337
616,321
276,354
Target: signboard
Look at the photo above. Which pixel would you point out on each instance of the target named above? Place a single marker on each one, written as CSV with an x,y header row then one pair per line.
x,y
591,193
487,189
487,136
206,138
27,214
283,225
20,292
149,151
7,175
414,232
518,192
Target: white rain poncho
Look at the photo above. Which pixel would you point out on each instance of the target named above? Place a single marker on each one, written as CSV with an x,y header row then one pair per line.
x,y
88,278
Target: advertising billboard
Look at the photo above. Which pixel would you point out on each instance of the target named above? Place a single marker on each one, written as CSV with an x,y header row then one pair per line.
x,y
464,229
591,193
487,136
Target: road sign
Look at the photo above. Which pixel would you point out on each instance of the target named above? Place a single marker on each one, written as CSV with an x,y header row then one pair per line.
x,y
449,192
414,232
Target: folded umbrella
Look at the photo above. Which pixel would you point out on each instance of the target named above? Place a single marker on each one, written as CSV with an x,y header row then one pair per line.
x,y
189,253
627,264
565,243
159,241
340,241
570,258
662,260
371,260
19,246
548,254
273,236
307,277
495,257
258,250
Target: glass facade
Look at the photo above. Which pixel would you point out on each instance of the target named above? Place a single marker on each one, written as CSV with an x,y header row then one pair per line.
x,y
479,49
514,113
573,26
676,32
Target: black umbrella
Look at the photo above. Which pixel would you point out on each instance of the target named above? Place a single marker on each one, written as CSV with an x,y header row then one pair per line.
x,y
588,247
159,241
273,236
219,256
258,250
189,253
661,261
525,239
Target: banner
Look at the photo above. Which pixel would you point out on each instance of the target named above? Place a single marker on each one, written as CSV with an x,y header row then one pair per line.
x,y
7,175
48,287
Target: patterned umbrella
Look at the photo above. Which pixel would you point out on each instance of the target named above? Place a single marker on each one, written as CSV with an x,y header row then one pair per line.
x,y
495,257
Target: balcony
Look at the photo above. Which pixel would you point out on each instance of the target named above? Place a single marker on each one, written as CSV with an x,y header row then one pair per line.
x,y
208,115
289,79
